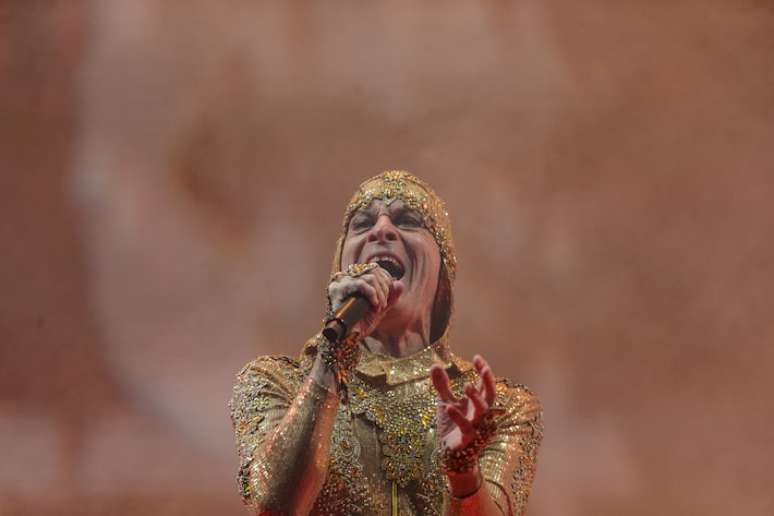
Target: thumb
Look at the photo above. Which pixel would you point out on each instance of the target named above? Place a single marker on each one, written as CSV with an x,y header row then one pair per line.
x,y
396,289
372,317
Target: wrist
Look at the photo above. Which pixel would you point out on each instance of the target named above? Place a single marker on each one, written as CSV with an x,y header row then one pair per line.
x,y
322,375
336,360
462,485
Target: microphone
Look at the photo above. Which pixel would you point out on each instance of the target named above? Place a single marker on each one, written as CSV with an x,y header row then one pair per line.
x,y
349,313
352,310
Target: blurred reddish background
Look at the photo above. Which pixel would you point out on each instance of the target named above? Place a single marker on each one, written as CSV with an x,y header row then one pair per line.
x,y
173,177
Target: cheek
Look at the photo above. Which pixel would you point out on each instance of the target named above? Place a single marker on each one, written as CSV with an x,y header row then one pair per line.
x,y
429,256
349,252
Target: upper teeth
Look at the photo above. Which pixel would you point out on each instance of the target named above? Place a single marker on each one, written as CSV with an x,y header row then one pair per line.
x,y
384,259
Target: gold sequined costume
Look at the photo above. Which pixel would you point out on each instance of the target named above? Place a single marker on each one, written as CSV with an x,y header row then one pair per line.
x,y
302,451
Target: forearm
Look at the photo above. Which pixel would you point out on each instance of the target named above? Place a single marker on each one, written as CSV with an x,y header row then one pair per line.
x,y
289,469
469,496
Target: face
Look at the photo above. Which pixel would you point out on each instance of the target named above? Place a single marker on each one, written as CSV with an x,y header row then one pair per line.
x,y
397,232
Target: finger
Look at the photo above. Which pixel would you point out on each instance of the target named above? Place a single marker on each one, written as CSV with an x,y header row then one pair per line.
x,y
385,280
479,405
487,382
396,290
381,291
488,379
383,274
455,415
369,292
479,363
339,289
441,384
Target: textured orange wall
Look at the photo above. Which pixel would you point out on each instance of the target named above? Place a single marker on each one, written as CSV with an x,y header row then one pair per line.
x,y
172,181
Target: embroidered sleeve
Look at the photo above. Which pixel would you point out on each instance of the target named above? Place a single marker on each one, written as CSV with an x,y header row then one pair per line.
x,y
282,422
508,462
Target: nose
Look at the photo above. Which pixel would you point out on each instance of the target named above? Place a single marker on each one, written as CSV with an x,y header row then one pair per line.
x,y
383,230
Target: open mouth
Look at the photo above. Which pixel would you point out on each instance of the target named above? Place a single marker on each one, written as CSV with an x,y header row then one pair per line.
x,y
390,264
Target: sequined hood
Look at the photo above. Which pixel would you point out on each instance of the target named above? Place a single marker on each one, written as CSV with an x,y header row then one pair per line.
x,y
393,185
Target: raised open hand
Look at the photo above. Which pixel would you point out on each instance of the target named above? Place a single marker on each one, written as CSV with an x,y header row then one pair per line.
x,y
458,416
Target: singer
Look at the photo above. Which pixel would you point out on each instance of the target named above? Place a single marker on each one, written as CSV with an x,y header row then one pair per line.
x,y
386,420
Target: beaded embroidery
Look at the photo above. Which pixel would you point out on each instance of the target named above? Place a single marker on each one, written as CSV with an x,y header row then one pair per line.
x,y
403,423
266,386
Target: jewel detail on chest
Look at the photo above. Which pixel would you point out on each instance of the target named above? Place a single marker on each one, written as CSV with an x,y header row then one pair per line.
x,y
403,417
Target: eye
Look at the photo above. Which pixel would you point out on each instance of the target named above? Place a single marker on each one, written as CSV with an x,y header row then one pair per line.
x,y
409,220
361,222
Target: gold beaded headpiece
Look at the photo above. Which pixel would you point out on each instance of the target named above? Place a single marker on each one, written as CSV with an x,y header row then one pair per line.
x,y
393,185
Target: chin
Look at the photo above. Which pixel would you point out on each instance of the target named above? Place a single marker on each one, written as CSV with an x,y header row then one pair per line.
x,y
396,317
404,303
395,313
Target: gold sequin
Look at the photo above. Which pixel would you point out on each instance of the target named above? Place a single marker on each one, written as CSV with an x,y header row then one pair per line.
x,y
402,415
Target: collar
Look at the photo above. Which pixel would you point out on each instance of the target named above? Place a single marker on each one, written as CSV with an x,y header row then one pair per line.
x,y
397,370
413,367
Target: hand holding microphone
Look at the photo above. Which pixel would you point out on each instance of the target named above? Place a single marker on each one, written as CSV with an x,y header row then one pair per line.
x,y
360,298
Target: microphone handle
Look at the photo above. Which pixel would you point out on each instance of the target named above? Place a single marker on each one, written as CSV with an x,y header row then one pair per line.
x,y
349,313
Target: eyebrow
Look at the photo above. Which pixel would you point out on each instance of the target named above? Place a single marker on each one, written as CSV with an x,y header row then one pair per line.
x,y
371,210
363,211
